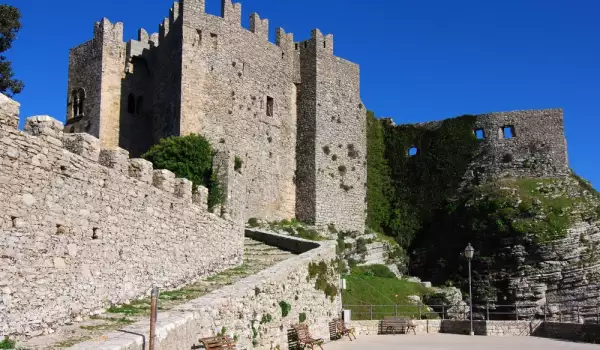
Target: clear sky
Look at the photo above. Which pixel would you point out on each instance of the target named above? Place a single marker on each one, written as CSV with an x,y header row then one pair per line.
x,y
420,59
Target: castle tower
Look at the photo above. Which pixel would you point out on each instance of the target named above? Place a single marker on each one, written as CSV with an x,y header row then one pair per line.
x,y
331,142
94,87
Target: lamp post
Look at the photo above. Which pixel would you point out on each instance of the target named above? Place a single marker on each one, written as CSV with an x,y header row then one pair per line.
x,y
469,255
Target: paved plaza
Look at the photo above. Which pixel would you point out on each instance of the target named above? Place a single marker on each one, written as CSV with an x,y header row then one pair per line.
x,y
454,342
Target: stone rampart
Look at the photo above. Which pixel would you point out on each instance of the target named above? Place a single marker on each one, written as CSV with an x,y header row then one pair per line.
x,y
82,228
249,310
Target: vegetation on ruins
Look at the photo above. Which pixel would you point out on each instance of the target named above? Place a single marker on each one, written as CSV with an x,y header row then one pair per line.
x,y
302,317
325,277
7,343
190,157
425,203
10,23
285,308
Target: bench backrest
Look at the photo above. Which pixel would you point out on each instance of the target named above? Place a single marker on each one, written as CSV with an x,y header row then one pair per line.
x,y
302,331
221,342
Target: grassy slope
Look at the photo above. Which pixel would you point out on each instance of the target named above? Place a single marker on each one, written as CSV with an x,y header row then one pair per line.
x,y
363,290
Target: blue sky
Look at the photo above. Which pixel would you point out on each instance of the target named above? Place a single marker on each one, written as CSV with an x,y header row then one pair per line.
x,y
420,59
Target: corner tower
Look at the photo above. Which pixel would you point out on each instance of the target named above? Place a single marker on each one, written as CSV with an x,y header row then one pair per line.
x,y
94,88
331,142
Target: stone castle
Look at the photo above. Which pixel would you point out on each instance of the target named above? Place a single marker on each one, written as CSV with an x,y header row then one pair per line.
x,y
290,111
84,227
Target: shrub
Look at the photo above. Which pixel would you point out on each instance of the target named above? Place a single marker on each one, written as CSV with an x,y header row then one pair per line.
x,y
187,156
190,157
238,164
285,308
7,343
302,317
253,222
326,150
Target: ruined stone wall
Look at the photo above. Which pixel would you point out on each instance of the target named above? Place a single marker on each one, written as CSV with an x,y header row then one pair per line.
x,y
249,310
537,147
229,76
338,136
82,228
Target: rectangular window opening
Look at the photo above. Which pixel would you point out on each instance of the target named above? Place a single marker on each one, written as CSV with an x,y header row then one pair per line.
x,y
508,132
269,106
479,134
199,38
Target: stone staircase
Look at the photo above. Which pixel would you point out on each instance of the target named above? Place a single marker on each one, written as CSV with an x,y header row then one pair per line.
x,y
257,257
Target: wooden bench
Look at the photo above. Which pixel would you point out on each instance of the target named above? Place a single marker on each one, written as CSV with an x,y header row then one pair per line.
x,y
305,339
396,325
218,343
341,329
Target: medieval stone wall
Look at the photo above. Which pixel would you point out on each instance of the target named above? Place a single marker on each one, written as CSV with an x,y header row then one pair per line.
x,y
527,143
82,228
238,91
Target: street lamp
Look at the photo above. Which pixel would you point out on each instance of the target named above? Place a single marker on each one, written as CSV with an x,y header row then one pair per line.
x,y
469,255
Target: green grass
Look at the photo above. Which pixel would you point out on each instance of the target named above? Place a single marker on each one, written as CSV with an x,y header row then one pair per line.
x,y
72,341
364,290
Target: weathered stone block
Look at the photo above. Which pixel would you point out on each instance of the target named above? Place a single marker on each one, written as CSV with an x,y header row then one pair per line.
x,y
9,113
140,169
164,180
117,159
44,126
200,197
84,145
183,189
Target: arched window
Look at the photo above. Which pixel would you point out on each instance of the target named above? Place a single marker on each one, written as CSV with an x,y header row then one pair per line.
x,y
81,93
75,103
139,106
131,104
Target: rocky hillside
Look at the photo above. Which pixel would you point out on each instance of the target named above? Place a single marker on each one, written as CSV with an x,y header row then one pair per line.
x,y
536,243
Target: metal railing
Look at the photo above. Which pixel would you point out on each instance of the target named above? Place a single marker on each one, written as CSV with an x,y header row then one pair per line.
x,y
548,312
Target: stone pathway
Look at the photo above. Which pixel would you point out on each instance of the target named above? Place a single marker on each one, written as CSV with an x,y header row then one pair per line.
x,y
257,256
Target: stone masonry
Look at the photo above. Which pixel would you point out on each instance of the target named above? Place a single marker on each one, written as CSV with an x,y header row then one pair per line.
x,y
290,111
248,310
83,227
529,143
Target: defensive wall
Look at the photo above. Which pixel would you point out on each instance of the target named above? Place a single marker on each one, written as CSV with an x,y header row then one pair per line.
x,y
248,310
82,227
275,106
528,143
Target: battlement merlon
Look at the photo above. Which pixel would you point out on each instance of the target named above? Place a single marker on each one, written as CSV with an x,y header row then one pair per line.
x,y
9,113
259,26
318,41
284,40
232,12
104,31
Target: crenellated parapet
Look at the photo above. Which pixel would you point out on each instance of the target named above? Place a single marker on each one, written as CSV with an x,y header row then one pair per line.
x,y
72,210
88,147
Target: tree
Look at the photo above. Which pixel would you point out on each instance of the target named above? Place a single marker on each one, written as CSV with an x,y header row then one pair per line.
x,y
10,23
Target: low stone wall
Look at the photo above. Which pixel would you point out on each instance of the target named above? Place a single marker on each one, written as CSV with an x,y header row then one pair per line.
x,y
249,310
491,328
589,333
297,246
82,228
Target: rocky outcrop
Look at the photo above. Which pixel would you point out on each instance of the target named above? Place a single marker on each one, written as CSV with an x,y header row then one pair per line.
x,y
536,244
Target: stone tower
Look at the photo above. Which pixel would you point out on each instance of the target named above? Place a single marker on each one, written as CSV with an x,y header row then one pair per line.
x,y
289,112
